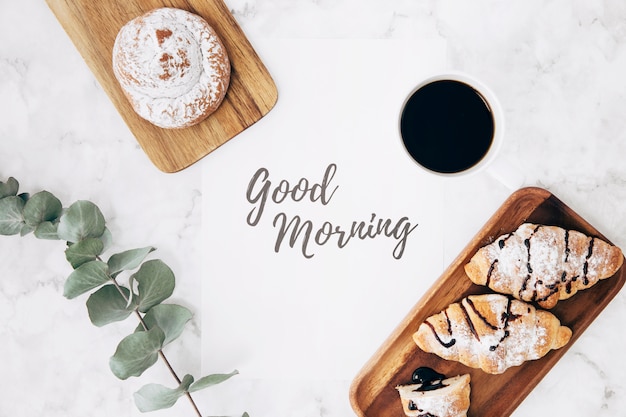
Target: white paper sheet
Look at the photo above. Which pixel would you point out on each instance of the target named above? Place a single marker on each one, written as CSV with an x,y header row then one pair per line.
x,y
319,309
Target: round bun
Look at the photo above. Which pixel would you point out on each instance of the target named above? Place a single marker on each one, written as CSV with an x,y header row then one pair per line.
x,y
172,67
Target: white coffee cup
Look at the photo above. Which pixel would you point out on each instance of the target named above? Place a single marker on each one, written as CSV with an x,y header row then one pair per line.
x,y
452,125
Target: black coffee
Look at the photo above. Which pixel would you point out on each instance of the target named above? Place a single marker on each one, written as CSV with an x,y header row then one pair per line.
x,y
447,126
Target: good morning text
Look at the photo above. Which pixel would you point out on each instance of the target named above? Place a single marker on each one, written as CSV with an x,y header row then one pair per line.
x,y
294,231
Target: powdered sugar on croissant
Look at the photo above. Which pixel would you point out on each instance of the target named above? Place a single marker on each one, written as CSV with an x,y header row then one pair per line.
x,y
543,264
492,332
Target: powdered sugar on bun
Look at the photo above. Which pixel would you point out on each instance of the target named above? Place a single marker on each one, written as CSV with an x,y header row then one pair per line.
x,y
172,66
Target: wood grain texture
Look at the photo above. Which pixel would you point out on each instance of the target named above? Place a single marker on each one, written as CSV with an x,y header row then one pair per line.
x,y
93,26
373,392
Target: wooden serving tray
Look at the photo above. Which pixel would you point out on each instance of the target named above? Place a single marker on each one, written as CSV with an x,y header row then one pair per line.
x,y
373,392
93,26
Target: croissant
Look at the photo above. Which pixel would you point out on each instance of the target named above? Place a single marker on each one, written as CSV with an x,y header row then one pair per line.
x,y
543,264
450,398
492,332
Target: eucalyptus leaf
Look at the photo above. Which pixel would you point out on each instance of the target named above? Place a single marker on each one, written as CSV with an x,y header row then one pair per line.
x,y
86,277
106,238
155,283
136,353
211,380
153,397
41,207
81,220
47,230
9,188
11,218
26,229
127,260
171,318
84,251
108,305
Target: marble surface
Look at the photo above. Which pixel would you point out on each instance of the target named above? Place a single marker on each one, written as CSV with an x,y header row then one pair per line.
x,y
555,65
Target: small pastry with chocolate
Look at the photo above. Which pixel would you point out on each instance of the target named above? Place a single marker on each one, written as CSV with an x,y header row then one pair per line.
x,y
431,394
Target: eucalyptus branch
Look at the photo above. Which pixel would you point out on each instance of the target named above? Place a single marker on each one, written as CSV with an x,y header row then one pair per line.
x,y
149,284
145,327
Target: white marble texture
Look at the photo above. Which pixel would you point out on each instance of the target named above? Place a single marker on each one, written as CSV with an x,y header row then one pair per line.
x,y
557,67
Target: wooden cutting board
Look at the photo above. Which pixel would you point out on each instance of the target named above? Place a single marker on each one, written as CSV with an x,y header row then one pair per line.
x,y
373,392
93,26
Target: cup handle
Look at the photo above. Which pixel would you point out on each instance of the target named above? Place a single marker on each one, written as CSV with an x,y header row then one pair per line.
x,y
507,173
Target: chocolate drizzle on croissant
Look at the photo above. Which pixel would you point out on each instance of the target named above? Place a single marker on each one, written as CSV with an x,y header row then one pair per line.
x,y
492,332
444,344
543,264
505,317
